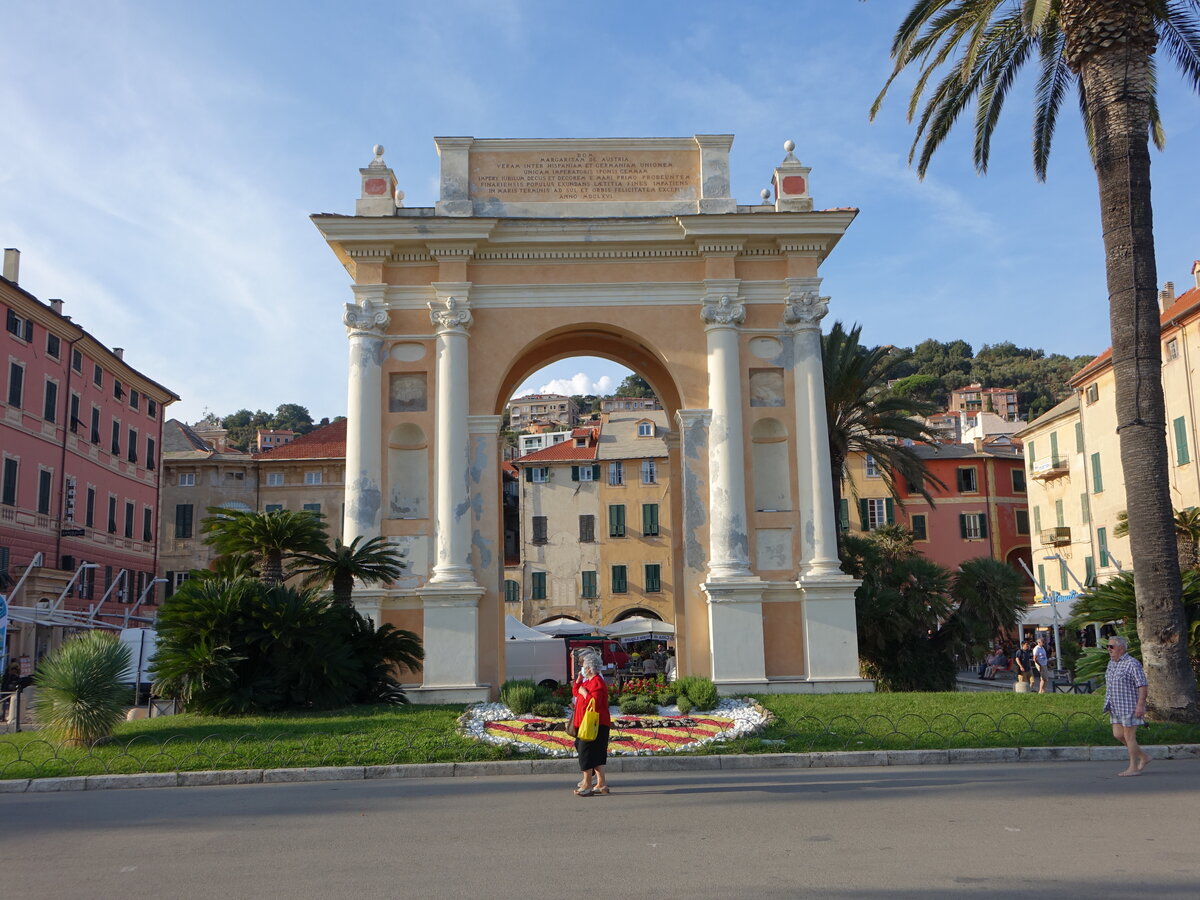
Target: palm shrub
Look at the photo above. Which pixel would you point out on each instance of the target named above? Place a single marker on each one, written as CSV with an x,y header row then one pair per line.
x,y
266,537
339,566
519,695
700,691
80,694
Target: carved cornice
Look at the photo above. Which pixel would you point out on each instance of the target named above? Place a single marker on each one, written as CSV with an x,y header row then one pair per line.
x,y
723,310
364,320
805,310
450,315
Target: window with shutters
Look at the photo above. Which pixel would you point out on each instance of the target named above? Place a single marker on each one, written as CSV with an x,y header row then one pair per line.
x,y
1182,457
650,519
152,408
1078,437
118,390
620,581
1102,545
973,526
128,519
877,512
585,473
1018,481
653,578
1097,477
116,438
150,448
22,329
95,429
512,591
76,361
147,523
16,384
539,474
53,345
539,529
649,471
616,520
1060,517
967,483
1092,394
1089,571
844,515
587,529
1172,349
112,515
131,443
89,518
50,402
97,375
135,399
183,521
920,529
589,588
1022,516
616,473
537,585
45,482
73,421
1085,508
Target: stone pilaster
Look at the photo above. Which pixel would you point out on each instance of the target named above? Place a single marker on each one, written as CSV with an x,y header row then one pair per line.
x,y
364,322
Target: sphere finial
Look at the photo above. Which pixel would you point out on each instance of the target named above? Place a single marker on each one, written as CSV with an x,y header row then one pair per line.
x,y
765,194
789,146
378,150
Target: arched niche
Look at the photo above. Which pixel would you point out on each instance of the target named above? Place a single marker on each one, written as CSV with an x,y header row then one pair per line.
x,y
408,472
770,470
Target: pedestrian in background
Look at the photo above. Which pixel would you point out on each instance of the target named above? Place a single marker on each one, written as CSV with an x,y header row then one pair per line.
x,y
1042,663
1125,701
1023,663
589,685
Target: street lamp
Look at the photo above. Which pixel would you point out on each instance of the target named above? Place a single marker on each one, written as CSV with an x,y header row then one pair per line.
x,y
71,583
1054,606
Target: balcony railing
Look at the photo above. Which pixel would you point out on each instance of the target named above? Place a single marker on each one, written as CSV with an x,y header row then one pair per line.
x,y
1059,536
1050,467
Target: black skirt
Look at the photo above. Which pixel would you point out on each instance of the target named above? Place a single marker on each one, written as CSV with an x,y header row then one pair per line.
x,y
593,753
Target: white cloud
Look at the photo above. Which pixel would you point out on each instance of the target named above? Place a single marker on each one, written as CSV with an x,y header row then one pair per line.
x,y
579,383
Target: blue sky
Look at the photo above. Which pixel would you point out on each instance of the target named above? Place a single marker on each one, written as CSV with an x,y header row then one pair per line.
x,y
160,160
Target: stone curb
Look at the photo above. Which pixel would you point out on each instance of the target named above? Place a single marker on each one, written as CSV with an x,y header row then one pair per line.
x,y
616,764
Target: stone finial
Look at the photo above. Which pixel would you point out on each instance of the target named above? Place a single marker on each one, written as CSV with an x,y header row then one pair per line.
x,y
791,183
765,193
378,188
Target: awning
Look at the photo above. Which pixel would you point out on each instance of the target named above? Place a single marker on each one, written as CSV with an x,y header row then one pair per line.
x,y
564,627
514,630
1043,613
639,626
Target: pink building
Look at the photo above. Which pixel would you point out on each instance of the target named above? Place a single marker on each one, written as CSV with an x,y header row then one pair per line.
x,y
80,437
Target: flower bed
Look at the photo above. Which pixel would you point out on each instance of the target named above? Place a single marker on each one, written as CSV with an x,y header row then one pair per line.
x,y
666,732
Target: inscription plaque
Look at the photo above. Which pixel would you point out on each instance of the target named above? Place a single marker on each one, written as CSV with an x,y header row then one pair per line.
x,y
619,175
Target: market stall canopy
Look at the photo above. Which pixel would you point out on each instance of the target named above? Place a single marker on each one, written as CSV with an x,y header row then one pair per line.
x,y
639,626
514,630
1043,613
564,627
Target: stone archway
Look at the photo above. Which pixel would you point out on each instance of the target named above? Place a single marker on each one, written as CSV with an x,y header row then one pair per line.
x,y
634,250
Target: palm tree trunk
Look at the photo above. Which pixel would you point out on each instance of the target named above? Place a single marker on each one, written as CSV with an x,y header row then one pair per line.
x,y
343,588
1117,82
272,567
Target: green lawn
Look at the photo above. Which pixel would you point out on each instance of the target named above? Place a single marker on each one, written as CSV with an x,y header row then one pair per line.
x,y
418,734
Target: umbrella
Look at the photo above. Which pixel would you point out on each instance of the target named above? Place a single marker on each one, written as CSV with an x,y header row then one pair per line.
x,y
564,627
639,626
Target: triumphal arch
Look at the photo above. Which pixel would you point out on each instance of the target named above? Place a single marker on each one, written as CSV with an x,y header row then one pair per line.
x,y
632,250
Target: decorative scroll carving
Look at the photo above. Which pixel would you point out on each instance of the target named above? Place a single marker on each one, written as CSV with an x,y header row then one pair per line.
x,y
805,310
451,314
368,319
724,311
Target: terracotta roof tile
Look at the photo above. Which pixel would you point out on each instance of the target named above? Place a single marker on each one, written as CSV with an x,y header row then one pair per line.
x,y
328,442
563,451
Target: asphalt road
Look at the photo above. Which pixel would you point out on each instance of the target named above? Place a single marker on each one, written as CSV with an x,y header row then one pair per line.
x,y
1055,830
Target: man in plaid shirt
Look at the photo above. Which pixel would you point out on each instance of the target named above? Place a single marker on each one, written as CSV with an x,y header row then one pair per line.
x,y
1125,701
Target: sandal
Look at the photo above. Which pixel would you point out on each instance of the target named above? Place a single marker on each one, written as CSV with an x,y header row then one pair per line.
x,y
583,792
603,790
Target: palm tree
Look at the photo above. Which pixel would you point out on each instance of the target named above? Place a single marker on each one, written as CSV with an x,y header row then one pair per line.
x,y
1187,535
1106,48
865,415
343,564
265,536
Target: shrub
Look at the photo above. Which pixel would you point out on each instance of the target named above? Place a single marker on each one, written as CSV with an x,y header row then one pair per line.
x,y
699,690
549,709
667,696
638,705
685,705
80,696
518,695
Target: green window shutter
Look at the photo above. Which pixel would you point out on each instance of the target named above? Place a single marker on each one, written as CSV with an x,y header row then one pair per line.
x,y
596,472
589,585
1030,454
919,528
616,520
1037,519
529,474
983,525
169,587
574,473
1041,578
653,578
844,514
1181,442
864,513
1089,571
1078,437
650,519
1085,508
1097,478
890,506
962,525
538,585
620,584
1102,543
1054,448
1064,585
1059,517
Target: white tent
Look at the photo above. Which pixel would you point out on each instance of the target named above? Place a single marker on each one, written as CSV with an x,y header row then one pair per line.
x,y
1043,613
564,626
639,627
515,631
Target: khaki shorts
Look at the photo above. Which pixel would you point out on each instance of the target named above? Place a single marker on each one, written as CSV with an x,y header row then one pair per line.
x,y
1027,677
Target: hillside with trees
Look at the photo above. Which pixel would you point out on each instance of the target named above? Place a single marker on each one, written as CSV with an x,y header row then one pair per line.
x,y
242,426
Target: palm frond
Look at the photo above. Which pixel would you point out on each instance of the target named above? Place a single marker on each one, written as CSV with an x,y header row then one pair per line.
x,y
1052,84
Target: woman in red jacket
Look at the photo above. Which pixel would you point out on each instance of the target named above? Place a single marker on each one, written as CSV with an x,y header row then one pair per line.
x,y
593,755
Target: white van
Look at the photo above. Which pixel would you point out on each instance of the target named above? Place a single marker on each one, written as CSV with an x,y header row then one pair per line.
x,y
541,661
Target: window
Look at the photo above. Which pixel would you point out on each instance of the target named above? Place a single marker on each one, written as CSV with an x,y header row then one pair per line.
x,y
53,345
1182,457
50,402
135,399
150,448
653,578
1037,519
1173,349
1092,394
1102,545
1054,458
1097,477
538,474
616,473
312,477
112,515
76,360
183,521
920,529
650,519
589,589
73,414
1078,437
95,436
45,480
872,467
152,408
844,515
649,471
18,327
1042,578
512,591
131,445
128,519
16,384
313,508
539,529
1018,481
1085,508
645,429
89,515
1089,571
97,375
274,479
118,391
1060,518
587,529
616,520
147,525
116,438
537,585
1022,521
585,473
973,526
620,581
876,512
187,479
274,507
966,480
1063,584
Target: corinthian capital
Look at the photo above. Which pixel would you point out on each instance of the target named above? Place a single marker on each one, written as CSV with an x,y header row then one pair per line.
x,y
805,310
724,310
450,314
364,318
